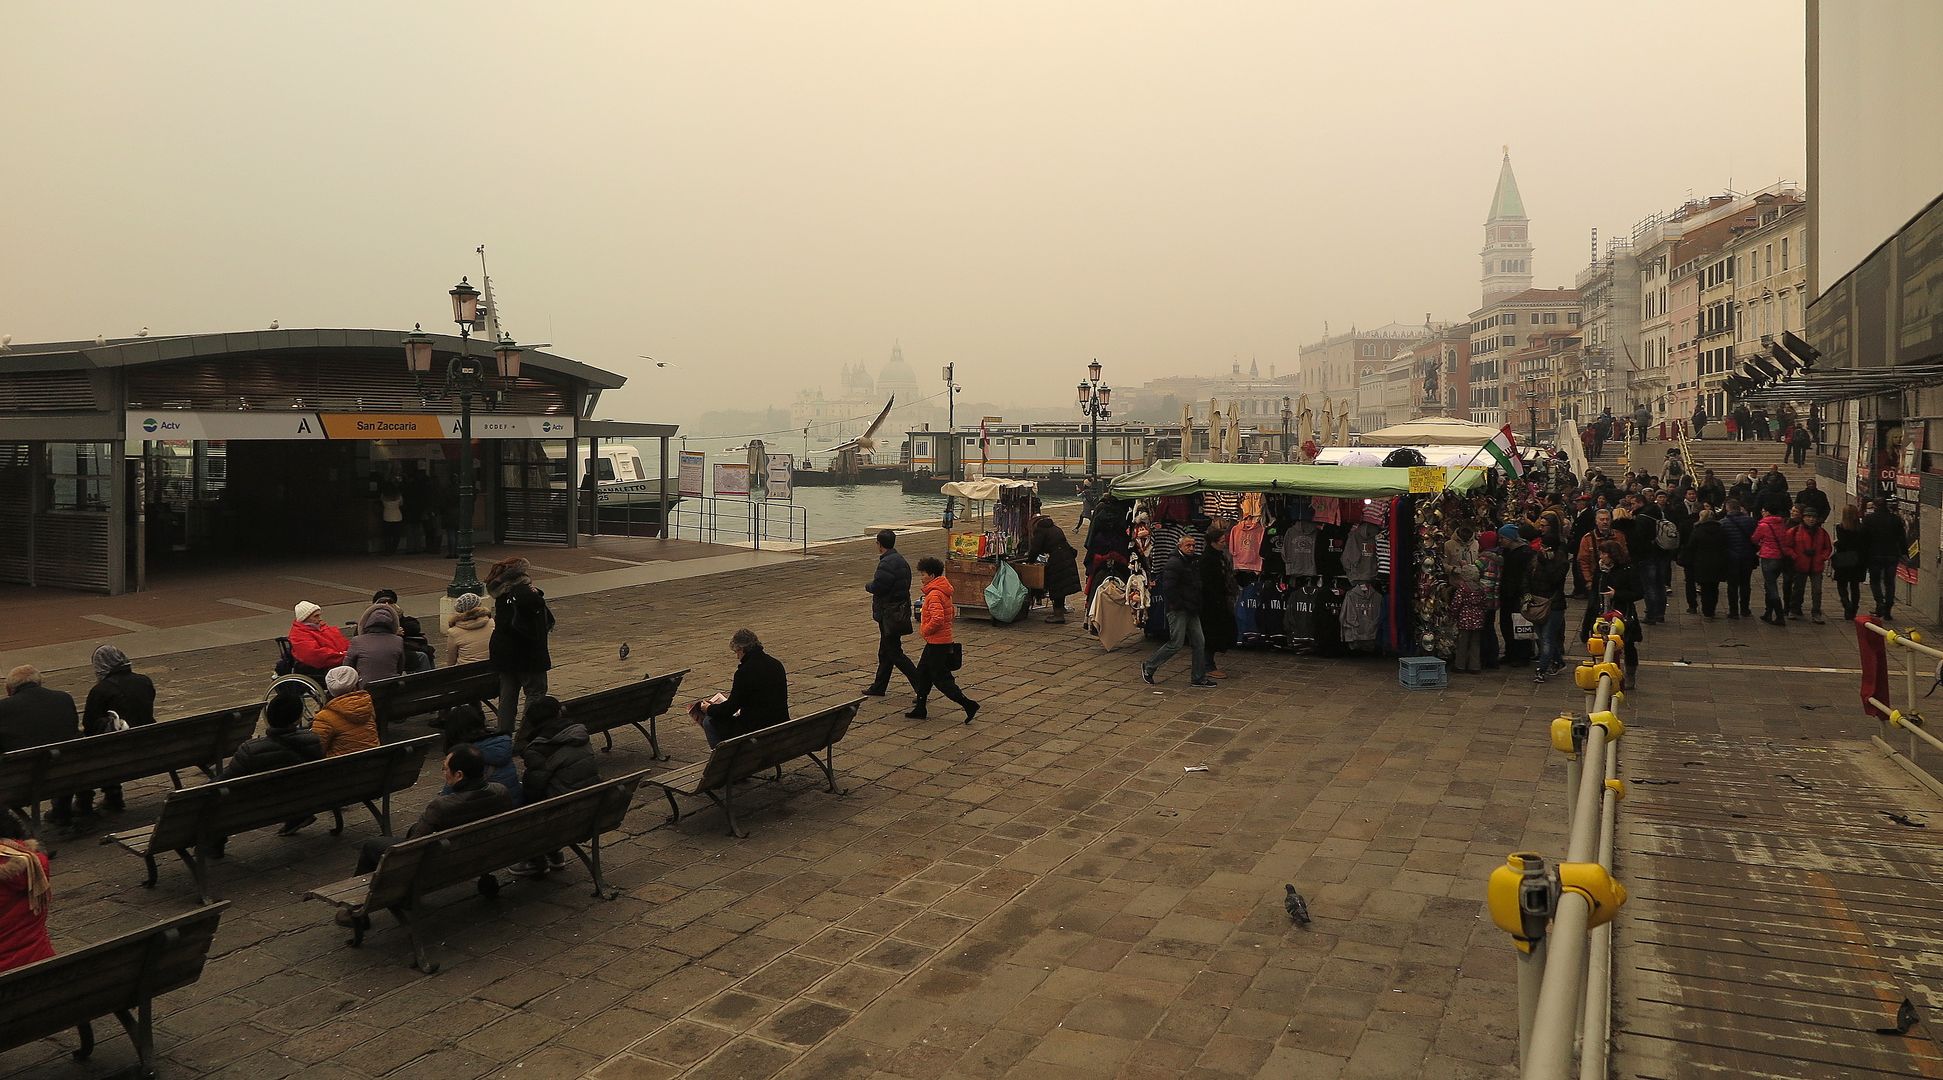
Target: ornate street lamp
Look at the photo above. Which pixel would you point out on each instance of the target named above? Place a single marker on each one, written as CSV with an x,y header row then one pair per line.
x,y
1094,397
465,377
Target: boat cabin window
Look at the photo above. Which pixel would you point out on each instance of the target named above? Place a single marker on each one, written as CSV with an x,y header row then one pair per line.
x,y
601,468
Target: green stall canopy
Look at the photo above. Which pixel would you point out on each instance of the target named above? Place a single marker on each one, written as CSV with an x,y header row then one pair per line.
x,y
1327,481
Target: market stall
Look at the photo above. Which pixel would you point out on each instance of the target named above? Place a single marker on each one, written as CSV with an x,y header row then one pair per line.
x,y
994,532
1330,559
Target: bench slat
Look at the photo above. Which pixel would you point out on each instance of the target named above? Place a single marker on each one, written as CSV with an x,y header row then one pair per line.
x,y
605,710
737,759
59,993
39,773
402,697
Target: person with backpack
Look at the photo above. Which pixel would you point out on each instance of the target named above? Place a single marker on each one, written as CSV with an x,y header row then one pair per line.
x,y
1809,550
1888,544
1798,443
522,622
1656,559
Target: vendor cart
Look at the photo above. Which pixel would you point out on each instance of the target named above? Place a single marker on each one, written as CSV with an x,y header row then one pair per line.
x,y
989,532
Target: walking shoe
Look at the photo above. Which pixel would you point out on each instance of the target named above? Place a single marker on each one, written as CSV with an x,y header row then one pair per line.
x,y
292,828
917,714
971,710
870,691
1692,610
1147,675
530,868
1538,676
1203,683
349,921
1816,618
1056,617
1217,674
556,860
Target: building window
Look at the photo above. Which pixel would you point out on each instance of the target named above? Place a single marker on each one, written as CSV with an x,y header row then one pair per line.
x,y
1784,253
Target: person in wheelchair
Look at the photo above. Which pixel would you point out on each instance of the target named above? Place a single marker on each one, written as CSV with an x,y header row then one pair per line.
x,y
314,646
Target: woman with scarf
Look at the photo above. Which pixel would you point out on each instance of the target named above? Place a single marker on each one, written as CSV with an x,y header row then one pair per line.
x,y
119,694
518,648
24,895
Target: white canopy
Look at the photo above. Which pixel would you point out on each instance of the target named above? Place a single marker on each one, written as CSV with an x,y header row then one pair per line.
x,y
1431,431
983,488
1452,456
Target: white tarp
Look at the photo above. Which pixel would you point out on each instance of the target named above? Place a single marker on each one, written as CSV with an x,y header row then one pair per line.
x,y
1451,456
1431,431
984,489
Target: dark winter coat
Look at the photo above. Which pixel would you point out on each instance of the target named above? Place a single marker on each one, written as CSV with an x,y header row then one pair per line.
x,y
1180,583
758,698
1852,540
1705,553
377,652
36,716
521,623
278,748
1712,493
1774,494
1062,565
558,760
1218,594
126,694
463,805
890,594
1738,531
1546,574
1813,499
1623,580
1886,535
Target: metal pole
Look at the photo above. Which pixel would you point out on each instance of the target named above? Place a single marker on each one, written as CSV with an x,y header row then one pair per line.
x,y
667,512
1093,454
1553,1029
1531,973
465,579
1596,1034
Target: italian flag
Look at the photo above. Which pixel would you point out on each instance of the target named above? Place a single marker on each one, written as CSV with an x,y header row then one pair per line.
x,y
1503,449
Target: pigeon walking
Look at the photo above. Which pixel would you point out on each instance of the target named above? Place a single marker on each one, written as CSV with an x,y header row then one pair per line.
x,y
1298,908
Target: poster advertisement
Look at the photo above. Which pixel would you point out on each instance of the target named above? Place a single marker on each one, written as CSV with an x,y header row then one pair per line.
x,y
758,470
732,479
1909,474
782,477
1912,516
1855,453
691,475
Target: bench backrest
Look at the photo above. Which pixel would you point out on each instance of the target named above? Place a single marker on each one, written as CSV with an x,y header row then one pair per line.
x,y
405,696
58,993
227,807
455,856
632,703
746,755
42,772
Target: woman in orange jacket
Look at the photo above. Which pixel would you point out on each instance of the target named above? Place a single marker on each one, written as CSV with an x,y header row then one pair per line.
x,y
348,722
936,663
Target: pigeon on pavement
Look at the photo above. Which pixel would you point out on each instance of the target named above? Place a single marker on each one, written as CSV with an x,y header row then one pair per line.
x,y
1298,908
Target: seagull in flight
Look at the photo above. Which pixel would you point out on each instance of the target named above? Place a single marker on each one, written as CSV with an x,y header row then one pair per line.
x,y
657,363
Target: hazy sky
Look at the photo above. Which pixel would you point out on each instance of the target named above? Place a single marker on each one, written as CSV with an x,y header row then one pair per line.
x,y
762,192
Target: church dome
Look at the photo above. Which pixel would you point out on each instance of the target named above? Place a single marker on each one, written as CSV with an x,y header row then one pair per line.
x,y
897,376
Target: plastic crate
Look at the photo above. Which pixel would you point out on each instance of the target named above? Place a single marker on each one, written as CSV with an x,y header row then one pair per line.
x,y
1421,673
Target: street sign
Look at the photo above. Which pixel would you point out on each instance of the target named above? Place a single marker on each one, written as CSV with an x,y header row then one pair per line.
x,y
782,477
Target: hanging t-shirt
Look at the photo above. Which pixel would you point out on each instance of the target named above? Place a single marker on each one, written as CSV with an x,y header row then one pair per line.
x,y
1248,606
1362,609
1251,505
1326,511
1222,504
1299,623
1359,553
1163,542
1299,549
1271,619
1329,550
1245,545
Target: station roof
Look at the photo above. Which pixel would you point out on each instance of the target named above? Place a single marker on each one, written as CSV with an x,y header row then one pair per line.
x,y
129,352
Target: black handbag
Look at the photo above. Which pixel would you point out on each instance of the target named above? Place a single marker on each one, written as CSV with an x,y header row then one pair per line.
x,y
954,656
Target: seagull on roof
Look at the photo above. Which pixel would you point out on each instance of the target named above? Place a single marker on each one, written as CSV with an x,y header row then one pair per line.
x,y
274,325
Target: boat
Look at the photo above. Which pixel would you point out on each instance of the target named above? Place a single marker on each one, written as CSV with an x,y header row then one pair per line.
x,y
627,492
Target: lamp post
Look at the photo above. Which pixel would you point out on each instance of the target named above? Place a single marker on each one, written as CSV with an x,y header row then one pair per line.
x,y
466,376
1288,414
950,464
1531,407
1094,396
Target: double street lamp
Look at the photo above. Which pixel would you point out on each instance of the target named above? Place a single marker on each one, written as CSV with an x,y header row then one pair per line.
x,y
1094,396
466,376
1531,407
1288,414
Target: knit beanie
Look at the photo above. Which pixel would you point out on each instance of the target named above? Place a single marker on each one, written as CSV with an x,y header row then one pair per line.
x,y
106,659
284,711
341,680
305,609
466,602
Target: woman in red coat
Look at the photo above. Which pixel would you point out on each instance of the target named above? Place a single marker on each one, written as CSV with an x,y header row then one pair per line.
x,y
24,894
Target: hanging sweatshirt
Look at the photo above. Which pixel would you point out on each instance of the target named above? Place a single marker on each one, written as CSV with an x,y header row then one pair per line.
x,y
1299,549
1245,545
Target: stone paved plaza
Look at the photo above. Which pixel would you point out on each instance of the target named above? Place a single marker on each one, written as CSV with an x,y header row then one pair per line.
x,y
1043,894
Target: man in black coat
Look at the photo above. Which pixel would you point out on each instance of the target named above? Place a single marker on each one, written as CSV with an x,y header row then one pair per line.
x,y
758,698
471,799
1812,498
1888,544
33,715
890,606
1181,589
286,740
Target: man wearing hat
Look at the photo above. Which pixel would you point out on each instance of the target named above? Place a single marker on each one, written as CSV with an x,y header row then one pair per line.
x,y
315,646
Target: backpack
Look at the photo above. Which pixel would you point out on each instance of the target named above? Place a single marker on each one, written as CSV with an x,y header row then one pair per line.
x,y
1666,535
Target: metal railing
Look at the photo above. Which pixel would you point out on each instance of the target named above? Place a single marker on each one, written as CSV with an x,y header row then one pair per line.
x,y
1907,719
747,522
1559,916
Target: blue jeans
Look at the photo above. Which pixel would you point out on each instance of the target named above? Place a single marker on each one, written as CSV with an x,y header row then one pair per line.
x,y
1777,605
1551,636
1183,629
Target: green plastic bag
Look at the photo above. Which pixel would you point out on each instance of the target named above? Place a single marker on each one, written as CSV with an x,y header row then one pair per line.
x,y
1005,596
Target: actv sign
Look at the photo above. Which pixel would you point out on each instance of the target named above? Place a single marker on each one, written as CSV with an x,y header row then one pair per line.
x,y
170,425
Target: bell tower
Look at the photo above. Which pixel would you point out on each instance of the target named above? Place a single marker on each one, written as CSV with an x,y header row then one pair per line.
x,y
1506,259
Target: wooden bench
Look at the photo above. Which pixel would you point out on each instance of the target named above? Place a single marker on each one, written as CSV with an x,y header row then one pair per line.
x,y
121,977
38,773
402,697
735,760
604,710
409,871
196,820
